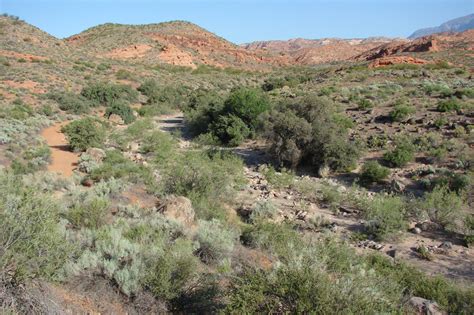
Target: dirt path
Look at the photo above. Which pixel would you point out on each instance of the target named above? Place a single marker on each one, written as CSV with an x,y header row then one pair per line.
x,y
63,161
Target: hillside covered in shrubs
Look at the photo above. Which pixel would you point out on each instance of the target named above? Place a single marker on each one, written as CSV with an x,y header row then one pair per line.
x,y
336,188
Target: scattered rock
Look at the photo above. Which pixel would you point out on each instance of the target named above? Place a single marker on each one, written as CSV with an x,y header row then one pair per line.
x,y
116,119
424,306
392,253
397,184
370,244
134,146
178,208
428,226
446,245
97,154
416,230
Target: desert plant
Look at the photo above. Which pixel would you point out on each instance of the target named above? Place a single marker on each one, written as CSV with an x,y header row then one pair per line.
x,y
230,130
373,172
247,104
121,109
401,155
90,214
70,102
385,216
32,240
448,106
216,241
84,133
401,112
443,206
105,94
306,131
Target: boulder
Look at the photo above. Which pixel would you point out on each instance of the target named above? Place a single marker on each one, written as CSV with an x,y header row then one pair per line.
x,y
425,307
116,119
96,154
397,185
178,208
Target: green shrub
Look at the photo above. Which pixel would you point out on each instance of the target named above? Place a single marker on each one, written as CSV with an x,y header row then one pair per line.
x,y
115,165
448,106
278,180
364,104
230,130
84,133
443,206
385,216
70,102
216,241
401,112
247,104
373,172
90,214
122,109
173,272
123,74
207,178
32,243
107,93
203,108
469,229
403,153
305,131
161,144
263,210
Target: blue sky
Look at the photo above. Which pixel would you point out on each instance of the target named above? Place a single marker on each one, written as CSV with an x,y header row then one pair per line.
x,y
247,20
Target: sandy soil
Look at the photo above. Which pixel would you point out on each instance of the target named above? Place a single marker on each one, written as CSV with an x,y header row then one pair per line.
x,y
63,161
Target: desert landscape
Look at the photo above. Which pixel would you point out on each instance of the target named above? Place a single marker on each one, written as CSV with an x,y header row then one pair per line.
x,y
160,168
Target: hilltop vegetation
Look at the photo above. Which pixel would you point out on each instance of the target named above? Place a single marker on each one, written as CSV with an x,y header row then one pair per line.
x,y
336,188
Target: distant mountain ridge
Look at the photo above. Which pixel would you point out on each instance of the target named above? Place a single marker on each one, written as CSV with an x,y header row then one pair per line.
x,y
456,25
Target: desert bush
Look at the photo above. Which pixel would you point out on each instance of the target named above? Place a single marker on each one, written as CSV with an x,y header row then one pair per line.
x,y
402,154
385,216
207,178
401,112
453,181
202,109
32,159
377,141
90,214
161,144
247,104
263,210
173,272
373,172
469,229
19,110
31,237
230,130
448,106
123,74
364,104
278,180
443,206
305,132
84,133
216,241
121,109
70,102
115,165
105,94
319,276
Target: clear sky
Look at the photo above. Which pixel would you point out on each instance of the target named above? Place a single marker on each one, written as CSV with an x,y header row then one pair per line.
x,y
243,21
